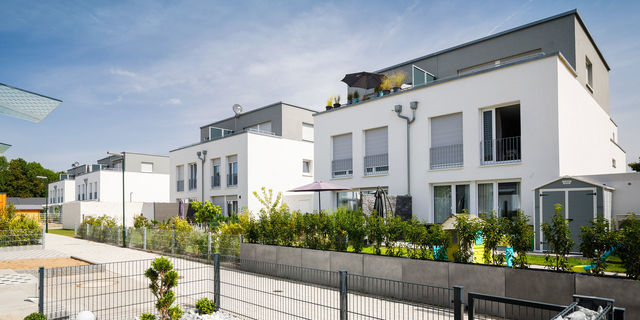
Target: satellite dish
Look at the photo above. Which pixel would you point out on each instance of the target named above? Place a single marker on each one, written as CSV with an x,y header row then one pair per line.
x,y
237,109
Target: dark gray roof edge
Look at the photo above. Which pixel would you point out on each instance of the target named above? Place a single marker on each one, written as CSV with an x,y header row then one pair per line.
x,y
531,24
258,109
31,92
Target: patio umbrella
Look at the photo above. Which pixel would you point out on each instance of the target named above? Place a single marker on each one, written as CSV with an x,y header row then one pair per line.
x,y
181,209
319,186
364,80
378,204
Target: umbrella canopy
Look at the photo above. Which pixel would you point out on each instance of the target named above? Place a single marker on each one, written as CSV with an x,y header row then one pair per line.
x,y
364,80
319,186
378,204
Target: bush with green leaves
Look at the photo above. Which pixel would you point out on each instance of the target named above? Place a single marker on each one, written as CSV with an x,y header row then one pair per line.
x,y
440,238
338,231
629,246
416,233
140,221
493,231
396,231
466,228
558,239
36,316
519,235
163,279
208,214
356,229
147,316
376,232
597,239
205,306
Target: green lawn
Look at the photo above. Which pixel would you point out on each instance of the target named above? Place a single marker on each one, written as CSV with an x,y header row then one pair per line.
x,y
575,261
62,232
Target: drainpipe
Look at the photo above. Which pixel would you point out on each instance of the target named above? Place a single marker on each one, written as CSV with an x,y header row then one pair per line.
x,y
398,110
202,156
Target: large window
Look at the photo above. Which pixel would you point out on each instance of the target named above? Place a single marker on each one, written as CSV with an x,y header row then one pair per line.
x,y
485,198
501,135
193,176
232,205
180,178
508,198
446,142
307,132
441,203
215,173
376,159
348,200
420,76
232,173
342,164
215,133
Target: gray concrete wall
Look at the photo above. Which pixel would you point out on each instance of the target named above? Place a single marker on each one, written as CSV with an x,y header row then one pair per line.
x,y
539,285
292,120
585,49
133,162
164,211
626,292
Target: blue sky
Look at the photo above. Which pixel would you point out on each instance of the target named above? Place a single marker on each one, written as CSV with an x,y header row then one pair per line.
x,y
143,76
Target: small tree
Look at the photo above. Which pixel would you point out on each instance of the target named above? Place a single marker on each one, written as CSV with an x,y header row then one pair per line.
x,y
596,240
493,231
140,221
396,230
356,230
206,212
629,250
164,278
558,239
519,235
416,234
467,228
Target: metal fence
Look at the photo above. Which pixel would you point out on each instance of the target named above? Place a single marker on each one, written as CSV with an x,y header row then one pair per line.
x,y
195,243
22,239
500,150
444,157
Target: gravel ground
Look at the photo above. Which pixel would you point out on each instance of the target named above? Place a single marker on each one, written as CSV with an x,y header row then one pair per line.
x,y
192,315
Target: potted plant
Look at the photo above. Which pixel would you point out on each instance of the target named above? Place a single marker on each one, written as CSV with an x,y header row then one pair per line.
x,y
356,96
336,101
397,79
378,91
329,101
386,86
349,98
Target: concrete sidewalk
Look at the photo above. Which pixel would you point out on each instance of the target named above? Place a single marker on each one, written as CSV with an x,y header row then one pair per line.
x,y
93,252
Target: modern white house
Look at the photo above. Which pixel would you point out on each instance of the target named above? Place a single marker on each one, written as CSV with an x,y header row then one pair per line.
x,y
484,124
89,190
271,146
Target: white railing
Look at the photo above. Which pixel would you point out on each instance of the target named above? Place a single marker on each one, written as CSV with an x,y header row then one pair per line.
x,y
342,167
445,157
376,164
502,150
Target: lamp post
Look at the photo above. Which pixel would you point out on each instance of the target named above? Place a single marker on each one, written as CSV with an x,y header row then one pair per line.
x,y
124,230
46,204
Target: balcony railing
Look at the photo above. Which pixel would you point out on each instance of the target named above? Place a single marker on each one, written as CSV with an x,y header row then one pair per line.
x,y
502,150
342,168
193,184
180,185
232,179
376,164
445,157
215,181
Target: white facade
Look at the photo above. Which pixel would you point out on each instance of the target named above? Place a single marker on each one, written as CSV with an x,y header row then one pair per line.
x,y
263,160
562,131
61,191
106,186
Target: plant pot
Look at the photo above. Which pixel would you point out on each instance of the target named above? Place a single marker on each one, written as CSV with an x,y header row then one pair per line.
x,y
336,105
385,92
328,107
355,100
396,89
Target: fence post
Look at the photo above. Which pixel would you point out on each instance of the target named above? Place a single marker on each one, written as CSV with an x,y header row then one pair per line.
x,y
41,290
75,230
458,307
343,295
173,241
209,247
216,280
43,238
144,239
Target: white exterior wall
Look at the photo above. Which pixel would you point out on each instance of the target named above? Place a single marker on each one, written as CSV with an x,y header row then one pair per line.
x,y
139,187
67,187
533,84
75,211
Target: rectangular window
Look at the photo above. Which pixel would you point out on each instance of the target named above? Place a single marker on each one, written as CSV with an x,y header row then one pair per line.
x,y
501,135
441,203
306,167
193,176
485,198
376,159
264,127
446,142
216,133
307,132
421,76
589,67
348,200
232,205
462,198
180,178
508,198
146,167
91,191
95,190
232,173
215,173
342,163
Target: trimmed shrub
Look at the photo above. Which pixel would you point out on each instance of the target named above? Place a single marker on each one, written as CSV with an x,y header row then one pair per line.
x,y
36,316
163,279
629,250
396,231
558,238
519,236
466,230
376,232
438,238
356,229
493,231
205,306
147,316
597,239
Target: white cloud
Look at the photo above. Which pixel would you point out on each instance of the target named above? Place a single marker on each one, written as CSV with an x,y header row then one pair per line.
x,y
174,101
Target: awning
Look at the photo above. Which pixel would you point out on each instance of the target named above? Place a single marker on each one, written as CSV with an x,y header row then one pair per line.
x,y
24,104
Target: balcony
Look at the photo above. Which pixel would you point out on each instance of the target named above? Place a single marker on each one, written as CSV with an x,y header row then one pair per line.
x,y
215,181
497,151
446,157
376,164
180,185
232,179
193,184
342,168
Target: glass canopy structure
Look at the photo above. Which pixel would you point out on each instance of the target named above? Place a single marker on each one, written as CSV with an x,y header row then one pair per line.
x,y
24,105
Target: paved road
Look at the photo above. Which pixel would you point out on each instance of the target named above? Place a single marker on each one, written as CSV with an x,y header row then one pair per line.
x,y
93,252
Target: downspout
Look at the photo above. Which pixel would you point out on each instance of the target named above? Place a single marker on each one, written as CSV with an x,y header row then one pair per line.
x,y
398,110
202,156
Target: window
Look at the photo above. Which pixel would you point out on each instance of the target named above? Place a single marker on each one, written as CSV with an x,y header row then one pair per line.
x,y
485,198
501,135
613,163
146,167
348,200
84,192
216,133
232,205
306,167
446,142
193,176
264,127
91,191
376,159
420,76
307,132
215,173
232,173
180,178
462,198
441,203
342,164
95,190
589,68
508,198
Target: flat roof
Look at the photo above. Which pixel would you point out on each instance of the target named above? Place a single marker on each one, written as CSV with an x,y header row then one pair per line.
x,y
258,109
528,25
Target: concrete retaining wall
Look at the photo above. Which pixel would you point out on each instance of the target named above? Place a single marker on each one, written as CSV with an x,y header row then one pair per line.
x,y
537,285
